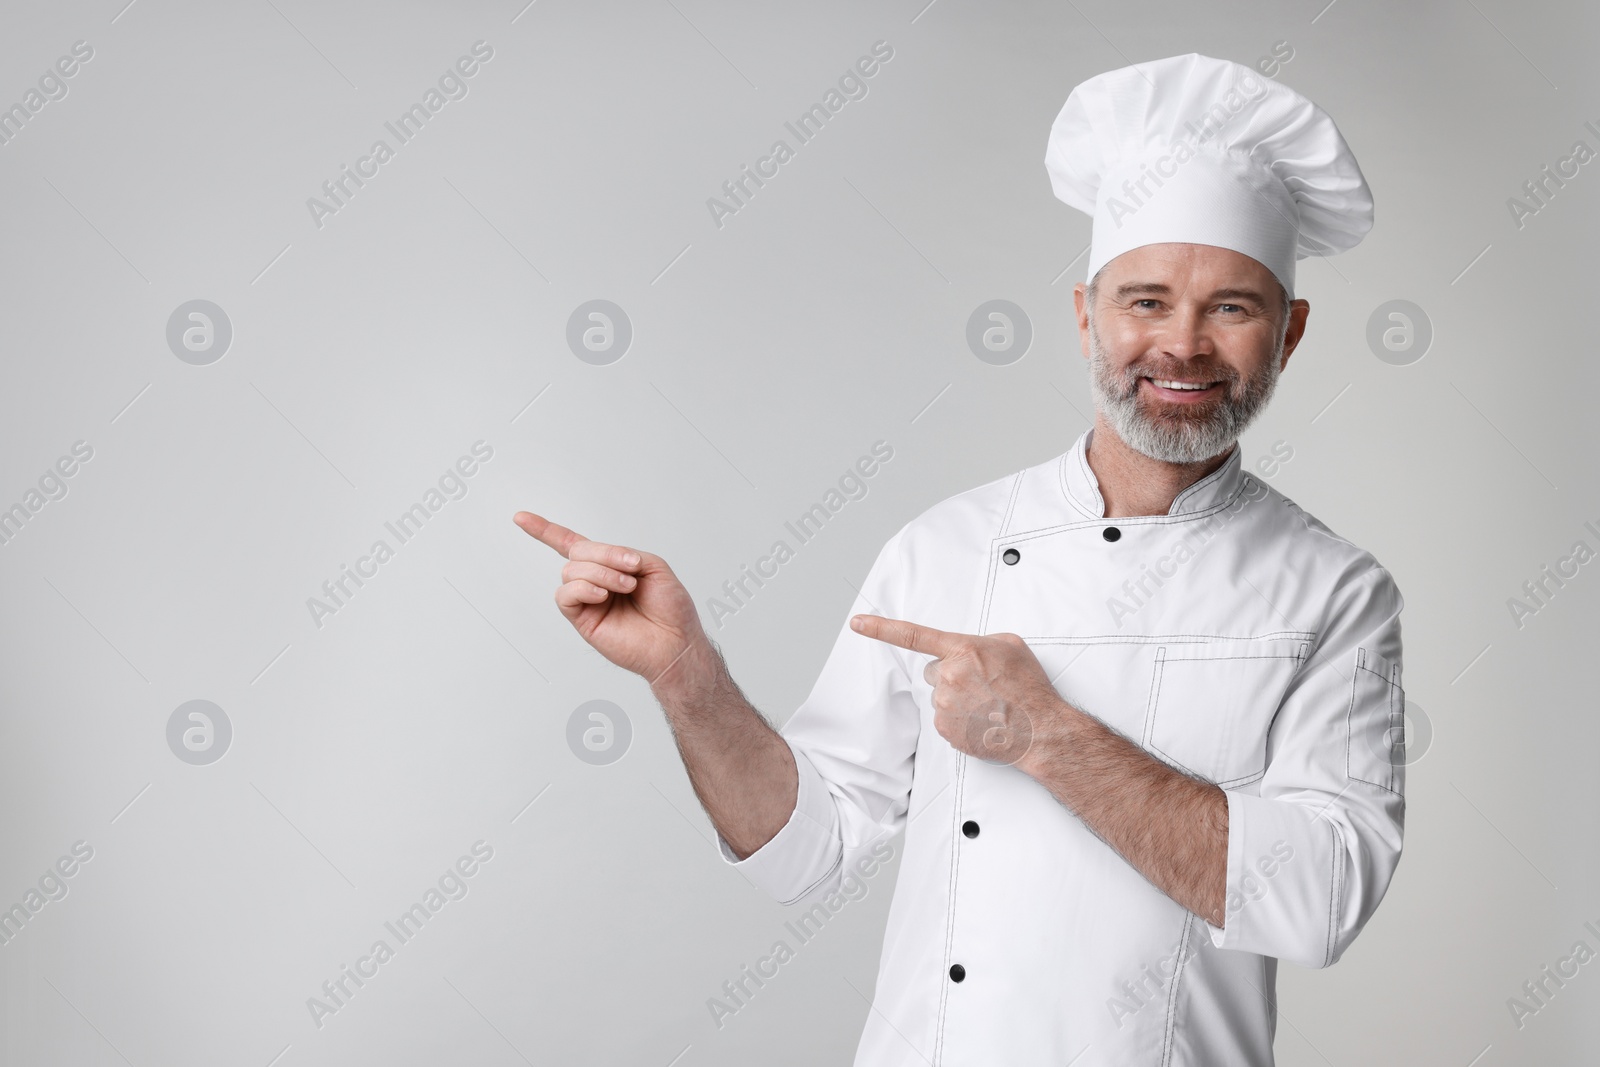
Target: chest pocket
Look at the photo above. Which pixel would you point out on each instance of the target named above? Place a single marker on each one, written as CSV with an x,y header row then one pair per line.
x,y
1212,704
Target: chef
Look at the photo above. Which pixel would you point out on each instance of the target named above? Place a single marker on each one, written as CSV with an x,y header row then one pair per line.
x,y
1138,715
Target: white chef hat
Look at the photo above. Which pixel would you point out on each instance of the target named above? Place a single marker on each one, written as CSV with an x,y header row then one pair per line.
x,y
1205,151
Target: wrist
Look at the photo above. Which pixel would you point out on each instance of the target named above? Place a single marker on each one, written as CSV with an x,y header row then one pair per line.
x,y
695,671
1051,740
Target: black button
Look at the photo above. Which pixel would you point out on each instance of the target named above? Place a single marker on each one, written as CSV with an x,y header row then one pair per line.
x,y
957,972
969,828
1111,533
1011,556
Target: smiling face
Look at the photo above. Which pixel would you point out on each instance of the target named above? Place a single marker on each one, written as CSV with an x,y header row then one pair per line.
x,y
1185,343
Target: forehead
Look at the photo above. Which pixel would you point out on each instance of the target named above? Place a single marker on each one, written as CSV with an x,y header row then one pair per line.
x,y
1182,266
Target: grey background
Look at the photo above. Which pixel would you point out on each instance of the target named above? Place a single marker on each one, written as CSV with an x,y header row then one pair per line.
x,y
767,355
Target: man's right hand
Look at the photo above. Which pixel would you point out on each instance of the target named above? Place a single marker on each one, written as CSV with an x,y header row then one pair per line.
x,y
626,603
631,607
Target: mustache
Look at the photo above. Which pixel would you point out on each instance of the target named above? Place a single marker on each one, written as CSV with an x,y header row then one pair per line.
x,y
1128,378
1178,371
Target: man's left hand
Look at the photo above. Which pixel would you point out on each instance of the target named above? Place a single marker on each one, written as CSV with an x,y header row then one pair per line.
x,y
991,696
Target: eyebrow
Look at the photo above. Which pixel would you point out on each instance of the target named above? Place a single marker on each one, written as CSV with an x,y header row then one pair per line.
x,y
1158,289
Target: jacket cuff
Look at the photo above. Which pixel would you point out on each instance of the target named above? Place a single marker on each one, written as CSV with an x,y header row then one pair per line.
x,y
1285,874
805,851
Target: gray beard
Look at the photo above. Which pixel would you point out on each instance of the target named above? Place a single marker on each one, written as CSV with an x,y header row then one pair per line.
x,y
1183,437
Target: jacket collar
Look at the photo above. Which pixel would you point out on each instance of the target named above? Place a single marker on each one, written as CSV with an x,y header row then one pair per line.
x,y
1082,488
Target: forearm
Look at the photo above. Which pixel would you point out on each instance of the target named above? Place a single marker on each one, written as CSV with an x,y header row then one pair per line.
x,y
740,768
1172,828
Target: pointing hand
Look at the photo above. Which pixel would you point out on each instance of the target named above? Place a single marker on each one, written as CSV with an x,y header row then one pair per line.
x,y
626,603
990,694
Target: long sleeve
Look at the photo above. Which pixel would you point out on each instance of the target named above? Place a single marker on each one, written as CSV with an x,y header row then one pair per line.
x,y
1312,852
853,739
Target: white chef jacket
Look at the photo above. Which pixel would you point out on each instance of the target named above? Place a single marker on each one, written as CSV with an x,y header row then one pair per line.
x,y
1264,658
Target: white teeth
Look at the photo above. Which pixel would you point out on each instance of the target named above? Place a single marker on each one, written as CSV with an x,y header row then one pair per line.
x,y
1165,384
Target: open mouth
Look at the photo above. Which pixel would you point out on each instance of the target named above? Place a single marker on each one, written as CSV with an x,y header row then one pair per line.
x,y
1182,392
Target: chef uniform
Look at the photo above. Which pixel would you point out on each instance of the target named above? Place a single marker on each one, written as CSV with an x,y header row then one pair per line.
x,y
1236,638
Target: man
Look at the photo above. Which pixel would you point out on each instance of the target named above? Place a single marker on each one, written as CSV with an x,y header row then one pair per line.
x,y
1137,713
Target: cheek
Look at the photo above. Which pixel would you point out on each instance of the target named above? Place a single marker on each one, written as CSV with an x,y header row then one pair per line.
x,y
1251,350
1124,342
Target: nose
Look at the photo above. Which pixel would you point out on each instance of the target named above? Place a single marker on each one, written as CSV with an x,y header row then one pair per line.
x,y
1184,335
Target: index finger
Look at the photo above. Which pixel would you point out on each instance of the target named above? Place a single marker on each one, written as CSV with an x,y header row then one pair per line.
x,y
909,635
562,540
553,534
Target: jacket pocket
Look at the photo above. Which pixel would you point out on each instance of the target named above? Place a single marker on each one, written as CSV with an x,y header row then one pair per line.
x,y
1212,704
1375,747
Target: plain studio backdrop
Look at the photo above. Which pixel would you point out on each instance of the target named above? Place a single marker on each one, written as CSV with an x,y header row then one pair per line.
x,y
231,370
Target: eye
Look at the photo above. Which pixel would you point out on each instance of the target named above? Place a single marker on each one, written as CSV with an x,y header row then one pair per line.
x,y
1235,307
1148,300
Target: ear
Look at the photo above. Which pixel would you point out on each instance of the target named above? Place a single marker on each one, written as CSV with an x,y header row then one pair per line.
x,y
1080,303
1295,328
